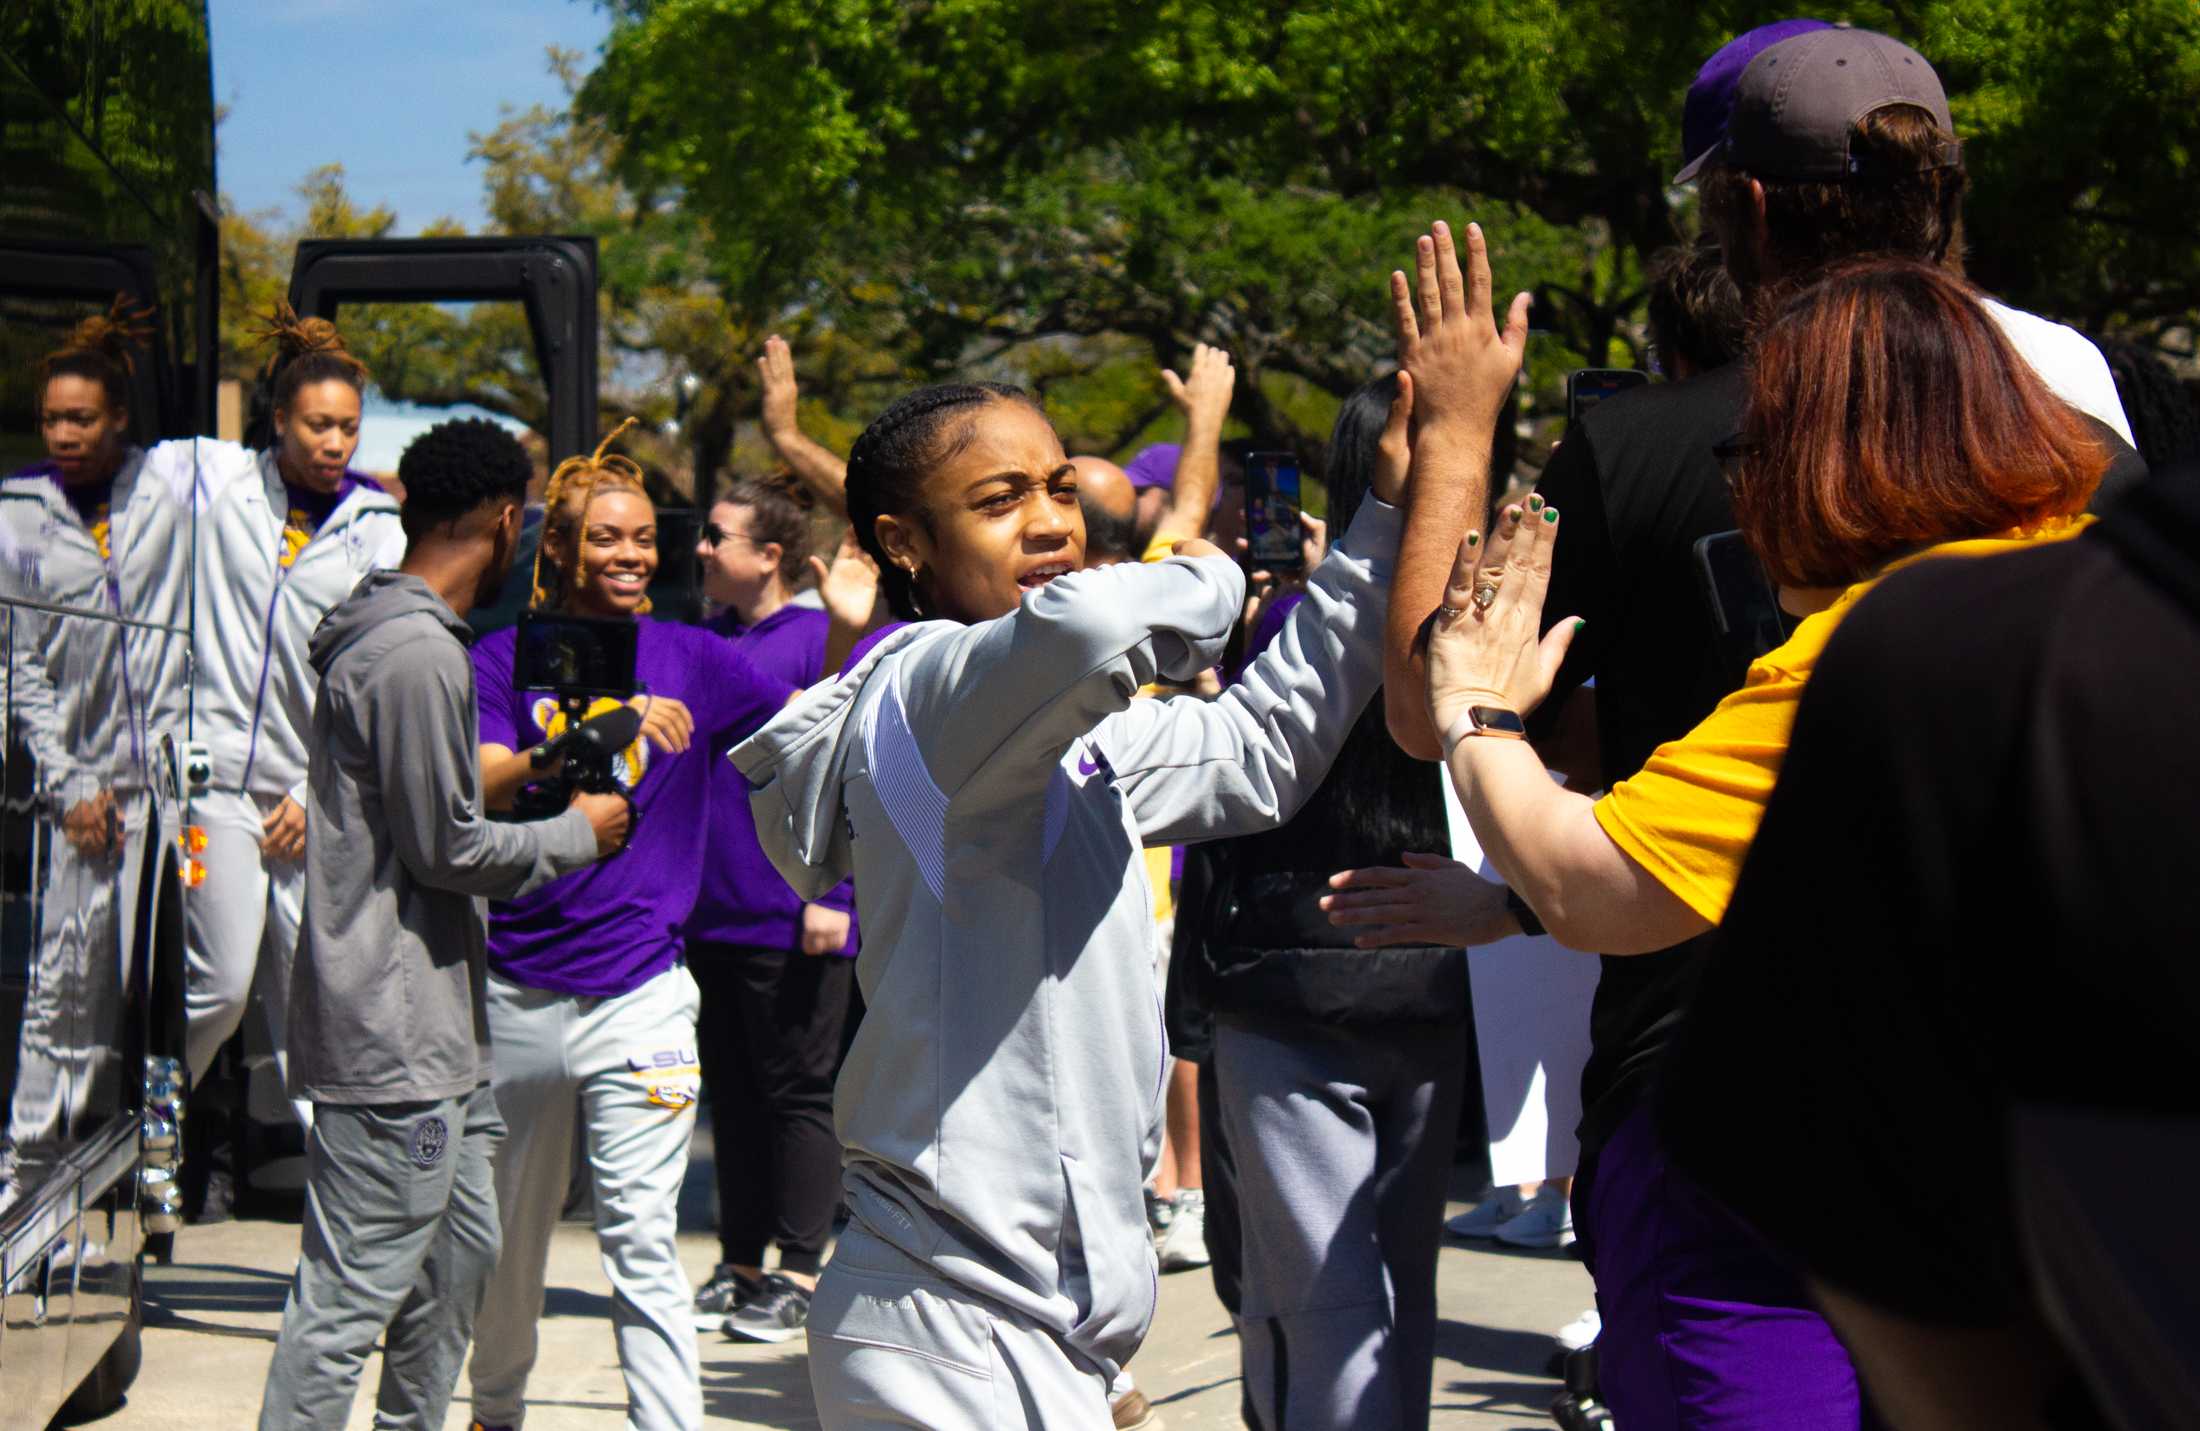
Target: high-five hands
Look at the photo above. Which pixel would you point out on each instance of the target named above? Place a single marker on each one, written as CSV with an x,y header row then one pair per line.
x,y
1486,645
1461,365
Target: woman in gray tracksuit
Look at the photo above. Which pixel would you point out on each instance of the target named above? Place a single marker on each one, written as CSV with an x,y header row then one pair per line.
x,y
989,781
93,528
285,535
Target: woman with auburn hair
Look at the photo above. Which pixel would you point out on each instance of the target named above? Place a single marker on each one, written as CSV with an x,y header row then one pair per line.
x,y
1888,422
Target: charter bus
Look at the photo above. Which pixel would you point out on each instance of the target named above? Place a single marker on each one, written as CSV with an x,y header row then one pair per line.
x,y
106,191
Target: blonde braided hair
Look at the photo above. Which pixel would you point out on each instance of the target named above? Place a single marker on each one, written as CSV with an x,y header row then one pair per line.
x,y
573,484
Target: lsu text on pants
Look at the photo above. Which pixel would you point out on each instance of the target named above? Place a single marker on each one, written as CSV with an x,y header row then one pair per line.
x,y
628,1063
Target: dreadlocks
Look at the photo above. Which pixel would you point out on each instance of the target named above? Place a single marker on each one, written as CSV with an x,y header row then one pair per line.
x,y
575,483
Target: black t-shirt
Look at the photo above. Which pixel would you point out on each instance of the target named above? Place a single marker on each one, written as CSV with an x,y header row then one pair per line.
x,y
1972,892
1636,486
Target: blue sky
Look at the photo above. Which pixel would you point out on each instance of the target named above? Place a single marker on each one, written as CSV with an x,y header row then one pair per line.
x,y
390,89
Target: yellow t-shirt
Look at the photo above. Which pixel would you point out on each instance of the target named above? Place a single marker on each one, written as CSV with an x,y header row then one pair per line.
x,y
1689,815
1163,546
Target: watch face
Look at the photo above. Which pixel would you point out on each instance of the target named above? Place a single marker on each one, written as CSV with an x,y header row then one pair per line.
x,y
1497,718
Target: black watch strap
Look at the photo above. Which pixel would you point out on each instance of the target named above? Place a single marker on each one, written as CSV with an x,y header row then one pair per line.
x,y
1529,924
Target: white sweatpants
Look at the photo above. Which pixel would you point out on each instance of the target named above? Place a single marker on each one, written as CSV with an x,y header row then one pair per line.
x,y
629,1064
247,910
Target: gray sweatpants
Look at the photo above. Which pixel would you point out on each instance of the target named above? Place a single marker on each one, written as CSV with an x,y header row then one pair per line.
x,y
629,1064
892,1343
400,1233
1342,1140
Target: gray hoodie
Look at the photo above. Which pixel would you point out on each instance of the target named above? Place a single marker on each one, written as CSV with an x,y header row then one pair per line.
x,y
989,787
386,1002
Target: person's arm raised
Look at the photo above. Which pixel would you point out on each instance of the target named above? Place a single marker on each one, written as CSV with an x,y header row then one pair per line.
x,y
1462,367
819,469
1205,399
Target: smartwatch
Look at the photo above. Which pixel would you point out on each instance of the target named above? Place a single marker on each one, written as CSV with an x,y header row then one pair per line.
x,y
1498,721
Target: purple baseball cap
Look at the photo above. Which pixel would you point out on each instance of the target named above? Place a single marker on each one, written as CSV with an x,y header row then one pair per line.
x,y
1155,466
1711,97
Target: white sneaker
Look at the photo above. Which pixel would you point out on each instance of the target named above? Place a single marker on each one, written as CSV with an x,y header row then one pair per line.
x,y
1547,1221
1579,1332
1184,1245
1484,1218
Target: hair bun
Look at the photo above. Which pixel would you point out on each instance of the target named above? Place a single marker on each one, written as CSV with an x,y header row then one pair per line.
x,y
296,337
114,334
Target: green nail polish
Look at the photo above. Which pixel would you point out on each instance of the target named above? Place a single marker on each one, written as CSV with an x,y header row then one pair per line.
x,y
1535,504
1550,514
1474,539
1578,625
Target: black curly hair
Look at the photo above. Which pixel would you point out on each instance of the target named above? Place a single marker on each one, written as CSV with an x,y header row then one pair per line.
x,y
457,466
889,462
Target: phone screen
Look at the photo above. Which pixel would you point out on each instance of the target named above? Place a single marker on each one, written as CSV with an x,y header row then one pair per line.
x,y
575,655
1272,529
1586,387
1744,603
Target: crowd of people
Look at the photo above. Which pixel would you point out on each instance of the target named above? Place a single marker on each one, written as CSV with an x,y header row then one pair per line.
x,y
1040,899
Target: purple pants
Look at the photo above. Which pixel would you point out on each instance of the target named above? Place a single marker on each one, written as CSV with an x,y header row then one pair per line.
x,y
1703,1329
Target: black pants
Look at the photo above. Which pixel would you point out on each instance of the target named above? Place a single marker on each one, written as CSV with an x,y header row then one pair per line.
x,y
769,1040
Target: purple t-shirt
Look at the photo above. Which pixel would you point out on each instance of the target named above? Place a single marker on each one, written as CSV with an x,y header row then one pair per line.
x,y
612,927
744,901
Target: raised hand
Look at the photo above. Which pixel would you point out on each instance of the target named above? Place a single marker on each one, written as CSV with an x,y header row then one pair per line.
x,y
1486,646
1461,363
849,586
776,367
1205,395
1394,451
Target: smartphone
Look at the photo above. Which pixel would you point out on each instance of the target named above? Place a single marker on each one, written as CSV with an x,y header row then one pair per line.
x,y
1586,387
1744,604
575,655
1274,536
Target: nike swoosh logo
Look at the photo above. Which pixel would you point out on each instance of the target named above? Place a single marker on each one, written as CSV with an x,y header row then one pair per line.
x,y
1087,766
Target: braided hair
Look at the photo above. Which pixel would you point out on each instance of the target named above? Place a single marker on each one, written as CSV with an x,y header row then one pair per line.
x,y
307,350
889,462
779,511
102,349
574,483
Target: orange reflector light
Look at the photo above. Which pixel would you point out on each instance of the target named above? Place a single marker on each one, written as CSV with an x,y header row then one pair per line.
x,y
193,839
194,874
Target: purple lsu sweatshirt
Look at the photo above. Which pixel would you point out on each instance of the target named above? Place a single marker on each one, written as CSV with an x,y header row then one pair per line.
x,y
744,901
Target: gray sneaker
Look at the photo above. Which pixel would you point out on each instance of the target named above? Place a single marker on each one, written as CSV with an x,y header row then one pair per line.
x,y
778,1313
725,1293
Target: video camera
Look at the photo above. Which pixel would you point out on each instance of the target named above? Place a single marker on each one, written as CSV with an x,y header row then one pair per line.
x,y
578,659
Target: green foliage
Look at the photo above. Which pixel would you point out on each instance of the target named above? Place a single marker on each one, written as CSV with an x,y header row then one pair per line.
x,y
986,178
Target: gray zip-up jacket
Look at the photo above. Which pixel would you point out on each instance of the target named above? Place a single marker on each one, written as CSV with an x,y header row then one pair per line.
x,y
93,696
386,1000
253,687
989,787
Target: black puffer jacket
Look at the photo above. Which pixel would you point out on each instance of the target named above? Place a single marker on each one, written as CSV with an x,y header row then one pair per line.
x,y
1253,935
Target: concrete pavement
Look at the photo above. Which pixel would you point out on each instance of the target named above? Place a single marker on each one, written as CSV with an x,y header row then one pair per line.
x,y
211,1321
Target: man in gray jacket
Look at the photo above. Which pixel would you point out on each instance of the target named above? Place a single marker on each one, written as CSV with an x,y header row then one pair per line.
x,y
389,1029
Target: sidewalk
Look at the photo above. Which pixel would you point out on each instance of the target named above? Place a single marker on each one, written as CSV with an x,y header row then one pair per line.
x,y
212,1318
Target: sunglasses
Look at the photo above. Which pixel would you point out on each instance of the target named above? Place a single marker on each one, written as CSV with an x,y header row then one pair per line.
x,y
713,534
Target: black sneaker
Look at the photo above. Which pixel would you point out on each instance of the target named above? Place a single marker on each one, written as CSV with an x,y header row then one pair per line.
x,y
725,1293
777,1313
